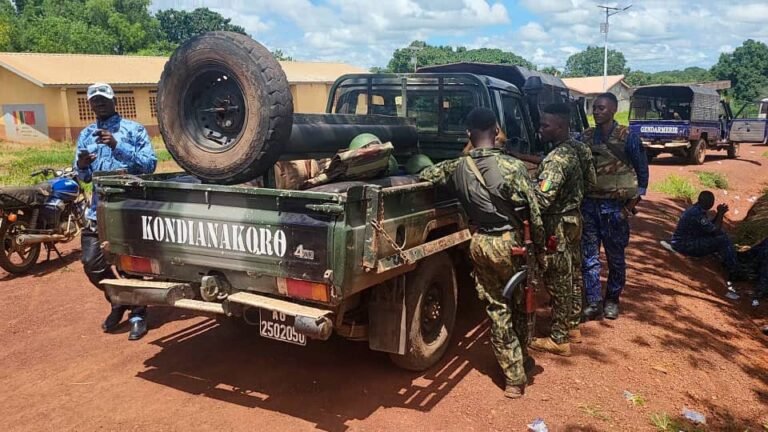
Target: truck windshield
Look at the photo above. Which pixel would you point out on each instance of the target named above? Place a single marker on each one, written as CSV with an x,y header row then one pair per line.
x,y
436,105
659,108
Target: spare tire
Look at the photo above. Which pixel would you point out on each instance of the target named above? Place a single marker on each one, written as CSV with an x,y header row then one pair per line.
x,y
224,107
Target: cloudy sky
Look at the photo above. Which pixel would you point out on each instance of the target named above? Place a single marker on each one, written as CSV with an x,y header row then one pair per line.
x,y
653,35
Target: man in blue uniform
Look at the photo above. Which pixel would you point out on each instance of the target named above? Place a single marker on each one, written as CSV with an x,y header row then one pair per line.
x,y
622,177
697,235
112,143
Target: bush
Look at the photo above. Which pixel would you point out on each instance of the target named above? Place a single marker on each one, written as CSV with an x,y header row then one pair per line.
x,y
712,179
676,187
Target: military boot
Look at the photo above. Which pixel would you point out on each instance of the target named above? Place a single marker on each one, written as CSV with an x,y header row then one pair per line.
x,y
514,391
550,346
574,335
611,309
593,311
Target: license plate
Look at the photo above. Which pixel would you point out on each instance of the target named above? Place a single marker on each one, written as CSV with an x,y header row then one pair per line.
x,y
279,326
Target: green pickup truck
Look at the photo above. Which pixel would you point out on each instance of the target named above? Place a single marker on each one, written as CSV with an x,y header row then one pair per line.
x,y
373,260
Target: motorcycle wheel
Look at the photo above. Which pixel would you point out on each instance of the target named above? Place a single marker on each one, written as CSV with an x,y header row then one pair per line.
x,y
14,258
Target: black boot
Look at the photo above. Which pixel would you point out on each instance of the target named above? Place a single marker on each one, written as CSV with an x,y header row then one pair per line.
x,y
611,309
138,329
113,319
593,311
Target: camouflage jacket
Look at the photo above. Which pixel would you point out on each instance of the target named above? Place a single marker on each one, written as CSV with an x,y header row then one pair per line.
x,y
560,180
587,162
516,188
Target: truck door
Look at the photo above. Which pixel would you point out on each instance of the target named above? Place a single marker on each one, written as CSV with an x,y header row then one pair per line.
x,y
520,136
747,126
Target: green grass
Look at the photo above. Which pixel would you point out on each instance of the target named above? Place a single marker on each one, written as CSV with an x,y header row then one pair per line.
x,y
621,118
664,423
676,187
712,179
19,160
637,400
765,155
595,412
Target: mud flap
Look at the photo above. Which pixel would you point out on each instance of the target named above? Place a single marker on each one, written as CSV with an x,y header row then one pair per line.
x,y
386,317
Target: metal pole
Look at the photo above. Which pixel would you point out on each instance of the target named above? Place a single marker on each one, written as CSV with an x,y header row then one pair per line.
x,y
609,11
605,54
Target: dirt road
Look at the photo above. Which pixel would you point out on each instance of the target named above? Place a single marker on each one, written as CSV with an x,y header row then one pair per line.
x,y
679,343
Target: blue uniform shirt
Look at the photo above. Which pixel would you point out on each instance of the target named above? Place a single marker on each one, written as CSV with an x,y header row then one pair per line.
x,y
133,152
635,151
694,224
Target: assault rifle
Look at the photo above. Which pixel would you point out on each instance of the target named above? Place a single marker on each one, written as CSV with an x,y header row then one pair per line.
x,y
526,279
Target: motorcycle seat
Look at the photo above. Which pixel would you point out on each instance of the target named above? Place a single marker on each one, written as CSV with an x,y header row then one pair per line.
x,y
24,196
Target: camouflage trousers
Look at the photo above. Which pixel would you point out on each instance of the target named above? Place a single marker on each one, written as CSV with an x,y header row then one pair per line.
x,y
562,277
491,255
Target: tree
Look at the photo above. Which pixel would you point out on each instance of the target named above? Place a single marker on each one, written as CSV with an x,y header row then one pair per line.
x,y
178,26
747,68
687,75
281,56
7,21
552,71
590,63
429,55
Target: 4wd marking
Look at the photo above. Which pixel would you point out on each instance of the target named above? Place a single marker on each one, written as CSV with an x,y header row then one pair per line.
x,y
302,253
214,235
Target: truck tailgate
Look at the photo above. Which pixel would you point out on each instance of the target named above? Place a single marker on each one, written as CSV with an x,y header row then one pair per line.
x,y
266,232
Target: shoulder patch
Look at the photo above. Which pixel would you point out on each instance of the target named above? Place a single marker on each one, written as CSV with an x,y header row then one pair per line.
x,y
545,185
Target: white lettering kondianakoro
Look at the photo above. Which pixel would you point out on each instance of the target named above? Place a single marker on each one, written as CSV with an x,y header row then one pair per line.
x,y
214,235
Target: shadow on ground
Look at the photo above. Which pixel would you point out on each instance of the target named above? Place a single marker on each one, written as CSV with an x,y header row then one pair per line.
x,y
326,383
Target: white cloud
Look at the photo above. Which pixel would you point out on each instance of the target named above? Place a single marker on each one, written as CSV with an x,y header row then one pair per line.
x,y
748,13
533,32
653,34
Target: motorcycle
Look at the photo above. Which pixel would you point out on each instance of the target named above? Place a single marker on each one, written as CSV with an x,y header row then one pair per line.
x,y
48,213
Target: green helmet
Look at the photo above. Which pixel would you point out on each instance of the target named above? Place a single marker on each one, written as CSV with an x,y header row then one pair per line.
x,y
417,163
363,140
393,167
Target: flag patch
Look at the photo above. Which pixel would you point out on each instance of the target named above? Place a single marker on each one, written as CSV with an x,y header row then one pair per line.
x,y
545,185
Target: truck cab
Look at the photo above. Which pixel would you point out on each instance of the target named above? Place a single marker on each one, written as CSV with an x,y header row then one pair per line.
x,y
438,99
684,120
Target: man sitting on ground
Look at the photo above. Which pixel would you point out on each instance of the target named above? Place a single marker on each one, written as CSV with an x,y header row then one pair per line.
x,y
697,235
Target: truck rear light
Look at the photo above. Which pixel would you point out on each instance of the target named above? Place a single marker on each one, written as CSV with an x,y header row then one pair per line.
x,y
303,289
134,264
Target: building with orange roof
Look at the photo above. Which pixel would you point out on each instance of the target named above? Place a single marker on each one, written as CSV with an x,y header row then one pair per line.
x,y
42,96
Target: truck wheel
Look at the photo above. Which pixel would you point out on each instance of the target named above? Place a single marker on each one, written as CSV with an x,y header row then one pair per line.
x,y
224,107
430,308
733,151
14,258
698,152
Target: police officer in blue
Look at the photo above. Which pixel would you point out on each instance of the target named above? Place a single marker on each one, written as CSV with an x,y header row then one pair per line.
x,y
697,235
112,143
622,178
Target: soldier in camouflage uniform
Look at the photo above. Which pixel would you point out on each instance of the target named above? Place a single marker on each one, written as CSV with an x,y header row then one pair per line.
x,y
577,297
622,176
491,186
560,192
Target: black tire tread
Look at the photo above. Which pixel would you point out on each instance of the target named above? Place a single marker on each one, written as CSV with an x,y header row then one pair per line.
x,y
6,264
278,104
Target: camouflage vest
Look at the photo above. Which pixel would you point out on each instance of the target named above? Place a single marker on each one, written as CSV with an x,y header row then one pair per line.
x,y
616,179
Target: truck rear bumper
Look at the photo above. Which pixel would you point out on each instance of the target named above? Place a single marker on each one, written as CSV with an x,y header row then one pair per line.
x,y
312,322
671,145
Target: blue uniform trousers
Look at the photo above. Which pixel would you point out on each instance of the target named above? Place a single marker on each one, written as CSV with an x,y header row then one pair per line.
x,y
720,244
604,225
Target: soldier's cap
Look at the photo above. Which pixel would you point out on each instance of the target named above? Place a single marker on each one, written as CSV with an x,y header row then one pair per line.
x,y
100,89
